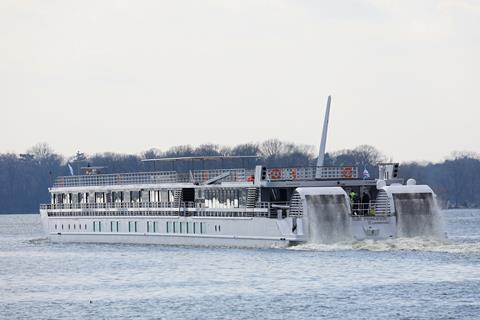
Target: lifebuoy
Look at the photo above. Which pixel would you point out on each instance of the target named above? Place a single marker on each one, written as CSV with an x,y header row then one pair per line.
x,y
347,172
250,179
275,174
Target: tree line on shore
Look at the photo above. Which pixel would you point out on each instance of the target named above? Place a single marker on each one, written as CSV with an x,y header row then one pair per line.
x,y
25,178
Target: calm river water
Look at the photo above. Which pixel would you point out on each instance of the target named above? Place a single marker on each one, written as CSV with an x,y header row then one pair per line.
x,y
396,279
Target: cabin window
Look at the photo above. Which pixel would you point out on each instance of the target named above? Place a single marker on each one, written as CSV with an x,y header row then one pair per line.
x,y
144,196
97,226
171,196
80,226
134,196
188,194
168,226
62,226
202,227
155,226
85,227
148,226
117,196
55,227
114,226
59,198
223,198
99,197
154,196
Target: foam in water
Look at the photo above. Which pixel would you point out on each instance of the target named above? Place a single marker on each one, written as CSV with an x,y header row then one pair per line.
x,y
399,244
418,216
328,218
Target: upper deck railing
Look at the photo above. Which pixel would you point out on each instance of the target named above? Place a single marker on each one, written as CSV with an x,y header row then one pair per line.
x,y
310,173
201,176
232,175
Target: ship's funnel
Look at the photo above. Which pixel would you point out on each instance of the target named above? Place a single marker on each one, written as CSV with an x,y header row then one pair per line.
x,y
323,143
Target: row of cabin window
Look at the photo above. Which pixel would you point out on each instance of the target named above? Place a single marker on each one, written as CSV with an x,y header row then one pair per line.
x,y
71,227
212,198
152,227
185,227
116,197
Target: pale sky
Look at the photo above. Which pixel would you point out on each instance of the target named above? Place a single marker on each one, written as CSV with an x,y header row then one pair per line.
x,y
126,76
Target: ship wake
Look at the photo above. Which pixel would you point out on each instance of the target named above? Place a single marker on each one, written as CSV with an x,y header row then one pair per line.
x,y
398,244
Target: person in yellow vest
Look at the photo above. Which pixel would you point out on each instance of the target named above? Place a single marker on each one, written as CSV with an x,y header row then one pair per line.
x,y
354,201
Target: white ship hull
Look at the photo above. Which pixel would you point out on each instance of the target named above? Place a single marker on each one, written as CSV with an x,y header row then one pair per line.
x,y
230,232
250,232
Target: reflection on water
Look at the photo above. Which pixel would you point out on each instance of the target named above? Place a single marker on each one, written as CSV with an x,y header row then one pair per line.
x,y
393,279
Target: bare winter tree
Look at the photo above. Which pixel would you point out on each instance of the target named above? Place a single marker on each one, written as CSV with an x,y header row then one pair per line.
x,y
271,148
367,155
41,151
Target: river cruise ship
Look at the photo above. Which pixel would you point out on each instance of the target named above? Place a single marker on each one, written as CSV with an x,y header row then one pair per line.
x,y
244,207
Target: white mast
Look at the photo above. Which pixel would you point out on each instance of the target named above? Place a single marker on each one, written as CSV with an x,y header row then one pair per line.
x,y
323,143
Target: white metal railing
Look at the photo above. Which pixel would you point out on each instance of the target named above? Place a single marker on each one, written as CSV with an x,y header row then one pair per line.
x,y
310,173
235,175
372,208
200,176
132,205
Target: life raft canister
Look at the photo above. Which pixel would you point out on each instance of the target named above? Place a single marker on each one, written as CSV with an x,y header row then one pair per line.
x,y
347,172
275,174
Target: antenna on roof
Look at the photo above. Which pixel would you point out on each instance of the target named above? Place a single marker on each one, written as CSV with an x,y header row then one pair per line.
x,y
323,143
